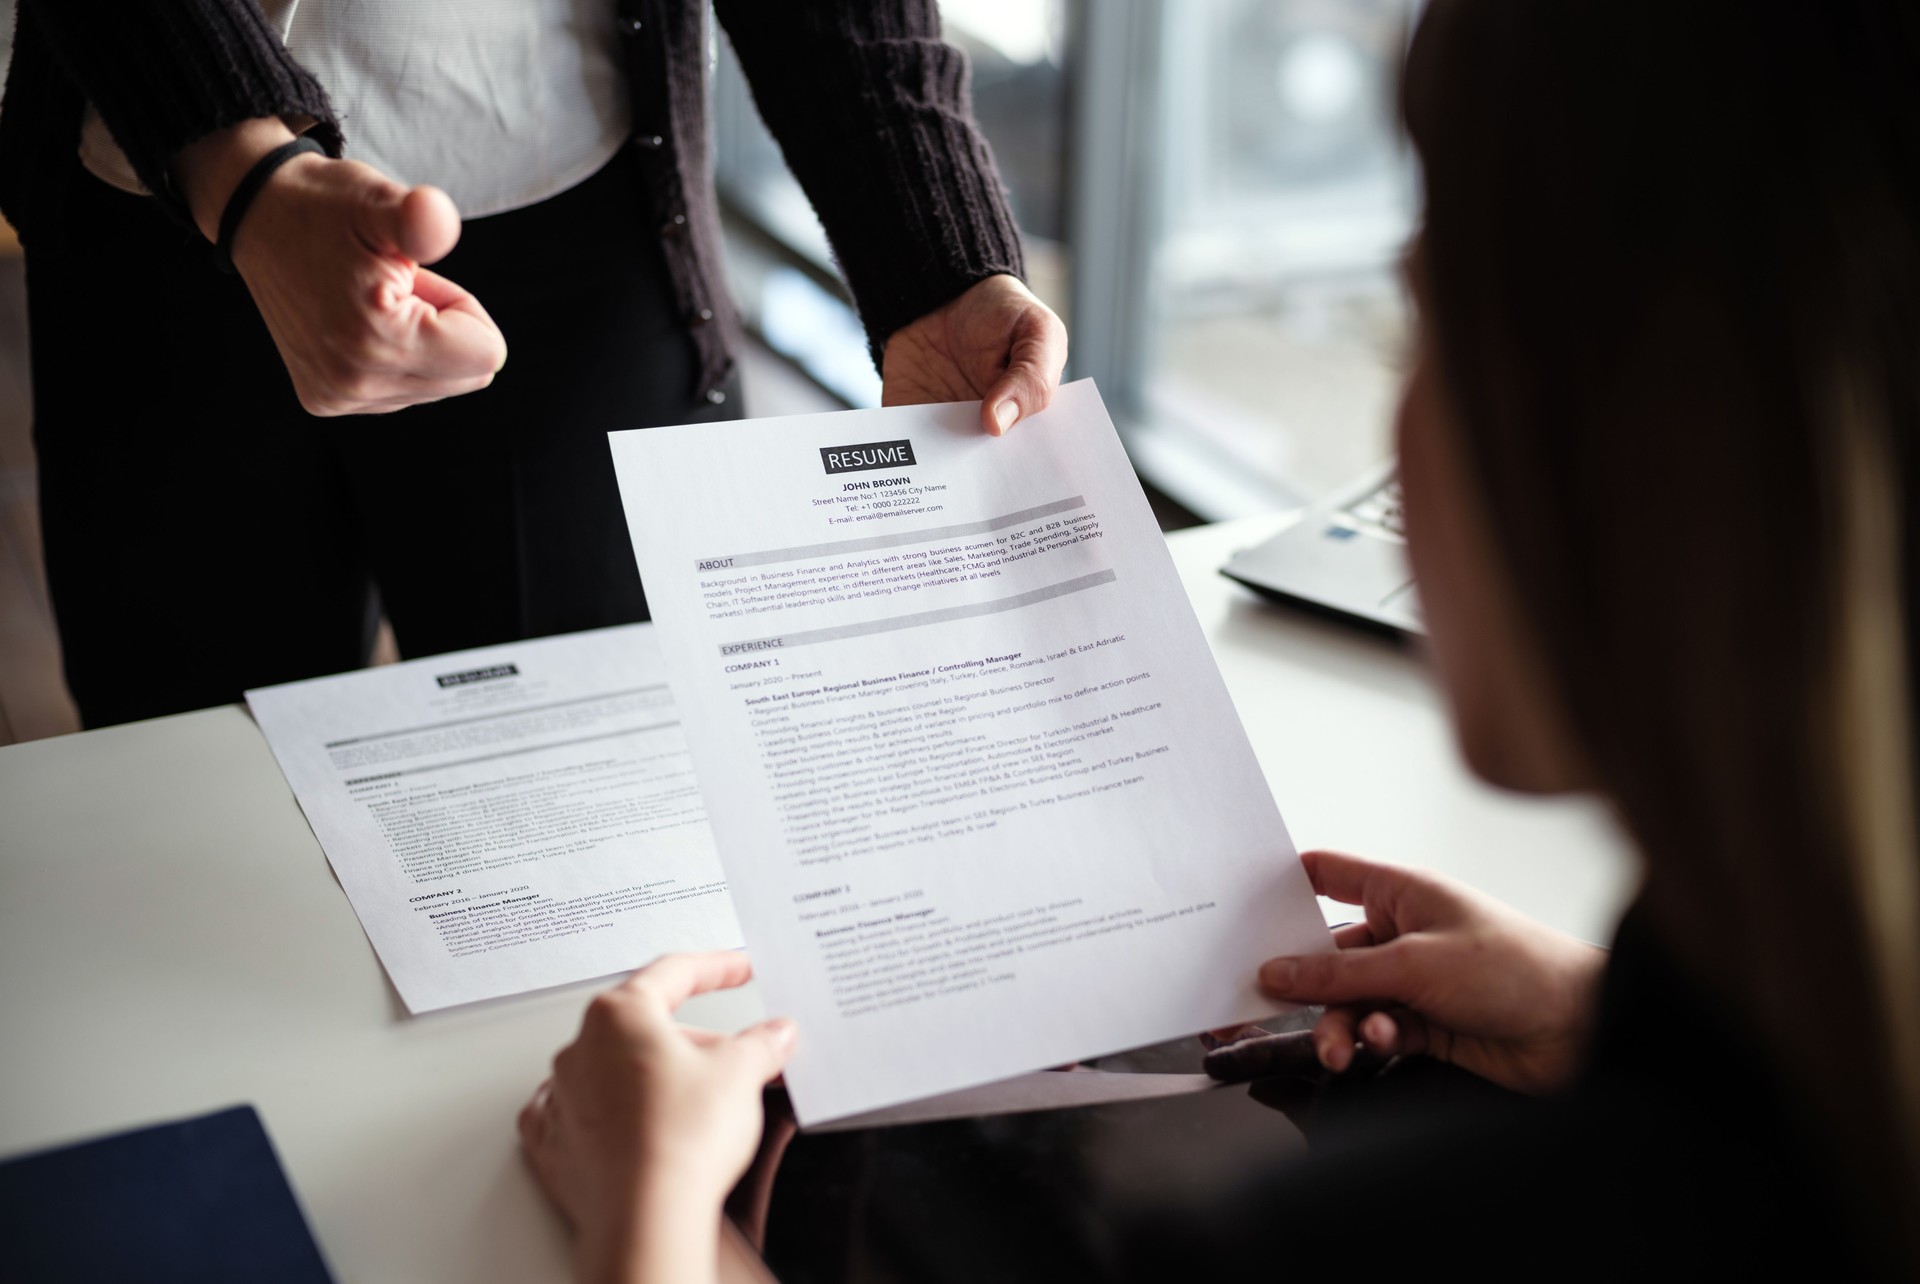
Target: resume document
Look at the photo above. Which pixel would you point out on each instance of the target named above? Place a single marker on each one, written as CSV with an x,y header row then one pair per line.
x,y
981,797
510,818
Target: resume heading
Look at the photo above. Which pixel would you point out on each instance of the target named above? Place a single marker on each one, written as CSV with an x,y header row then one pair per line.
x,y
868,455
488,674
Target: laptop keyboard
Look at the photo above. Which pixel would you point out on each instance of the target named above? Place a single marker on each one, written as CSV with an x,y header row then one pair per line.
x,y
1380,508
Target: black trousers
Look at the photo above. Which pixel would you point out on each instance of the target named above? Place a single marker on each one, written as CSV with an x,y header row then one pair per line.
x,y
204,534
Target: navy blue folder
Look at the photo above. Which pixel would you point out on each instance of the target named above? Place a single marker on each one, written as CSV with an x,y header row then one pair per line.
x,y
202,1199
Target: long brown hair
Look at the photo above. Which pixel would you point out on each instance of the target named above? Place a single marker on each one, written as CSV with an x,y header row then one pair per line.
x,y
1672,261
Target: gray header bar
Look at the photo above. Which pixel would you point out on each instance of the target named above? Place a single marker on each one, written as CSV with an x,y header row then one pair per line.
x,y
919,619
869,543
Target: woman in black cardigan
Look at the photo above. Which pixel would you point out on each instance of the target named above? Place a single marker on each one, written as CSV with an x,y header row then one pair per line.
x,y
1660,444
206,533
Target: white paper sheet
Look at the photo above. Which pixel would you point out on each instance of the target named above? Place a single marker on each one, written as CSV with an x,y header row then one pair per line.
x,y
1028,1093
981,795
508,818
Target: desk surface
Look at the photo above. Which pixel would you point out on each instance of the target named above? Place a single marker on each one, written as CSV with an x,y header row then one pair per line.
x,y
174,941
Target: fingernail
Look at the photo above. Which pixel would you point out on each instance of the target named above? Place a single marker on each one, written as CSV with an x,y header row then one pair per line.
x,y
1333,1054
1004,414
784,1031
1279,975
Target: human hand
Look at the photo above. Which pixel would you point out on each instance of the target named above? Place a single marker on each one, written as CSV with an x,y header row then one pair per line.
x,y
996,342
1439,969
331,251
646,1124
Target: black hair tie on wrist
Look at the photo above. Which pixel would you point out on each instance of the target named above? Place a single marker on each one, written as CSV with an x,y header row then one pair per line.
x,y
248,188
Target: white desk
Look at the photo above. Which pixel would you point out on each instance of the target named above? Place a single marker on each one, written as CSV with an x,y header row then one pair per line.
x,y
172,939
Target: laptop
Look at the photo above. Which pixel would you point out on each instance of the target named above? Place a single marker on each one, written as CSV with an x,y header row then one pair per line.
x,y
1345,556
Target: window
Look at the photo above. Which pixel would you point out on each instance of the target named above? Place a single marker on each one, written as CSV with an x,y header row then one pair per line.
x,y
1246,193
1213,193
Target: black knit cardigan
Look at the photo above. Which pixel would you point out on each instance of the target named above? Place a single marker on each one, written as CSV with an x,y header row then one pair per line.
x,y
869,104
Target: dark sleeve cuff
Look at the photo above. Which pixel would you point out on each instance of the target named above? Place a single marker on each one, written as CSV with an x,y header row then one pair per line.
x,y
873,111
165,73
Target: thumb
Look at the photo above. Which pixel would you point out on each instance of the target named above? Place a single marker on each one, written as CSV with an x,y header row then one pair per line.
x,y
422,226
429,225
759,1052
1035,357
1377,973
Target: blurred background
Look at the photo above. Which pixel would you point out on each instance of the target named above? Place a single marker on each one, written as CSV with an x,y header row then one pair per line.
x,y
1213,195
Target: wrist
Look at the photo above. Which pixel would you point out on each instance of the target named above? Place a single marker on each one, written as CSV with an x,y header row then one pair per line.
x,y
210,168
666,1235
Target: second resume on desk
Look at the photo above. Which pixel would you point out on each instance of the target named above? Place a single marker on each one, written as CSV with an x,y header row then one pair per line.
x,y
509,818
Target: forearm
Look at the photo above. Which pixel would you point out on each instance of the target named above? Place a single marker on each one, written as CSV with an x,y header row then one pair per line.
x,y
164,74
872,110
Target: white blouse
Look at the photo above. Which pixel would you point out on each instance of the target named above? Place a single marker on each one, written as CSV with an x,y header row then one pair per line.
x,y
501,103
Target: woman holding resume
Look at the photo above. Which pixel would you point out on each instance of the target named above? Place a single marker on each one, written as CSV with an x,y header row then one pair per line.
x,y
1658,448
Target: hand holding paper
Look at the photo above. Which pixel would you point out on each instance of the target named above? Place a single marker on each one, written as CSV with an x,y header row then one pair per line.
x,y
995,343
983,802
637,1095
